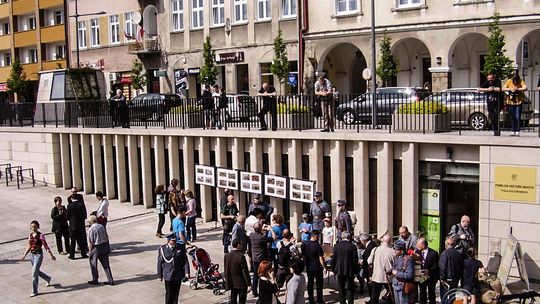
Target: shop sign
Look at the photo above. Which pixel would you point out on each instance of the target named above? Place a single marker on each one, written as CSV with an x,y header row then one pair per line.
x,y
3,87
194,71
230,57
430,202
126,80
431,227
515,184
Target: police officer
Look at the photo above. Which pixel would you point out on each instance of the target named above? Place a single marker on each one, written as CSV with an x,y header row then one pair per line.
x,y
170,267
343,220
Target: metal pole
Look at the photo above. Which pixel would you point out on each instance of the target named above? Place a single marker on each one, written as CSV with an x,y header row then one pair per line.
x,y
77,33
373,68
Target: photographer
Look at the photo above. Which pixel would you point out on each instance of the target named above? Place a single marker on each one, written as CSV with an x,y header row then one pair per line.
x,y
492,88
514,89
259,250
462,235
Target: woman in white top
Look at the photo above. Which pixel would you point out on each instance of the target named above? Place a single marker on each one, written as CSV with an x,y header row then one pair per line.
x,y
191,213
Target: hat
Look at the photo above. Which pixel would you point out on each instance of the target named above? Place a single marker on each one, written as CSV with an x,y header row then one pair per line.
x,y
171,236
341,203
399,245
305,216
318,194
258,196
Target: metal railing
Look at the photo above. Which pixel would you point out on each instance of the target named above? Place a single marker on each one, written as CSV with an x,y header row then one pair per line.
x,y
447,111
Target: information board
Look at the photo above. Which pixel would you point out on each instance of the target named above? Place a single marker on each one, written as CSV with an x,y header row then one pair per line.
x,y
227,178
204,175
512,250
251,182
301,190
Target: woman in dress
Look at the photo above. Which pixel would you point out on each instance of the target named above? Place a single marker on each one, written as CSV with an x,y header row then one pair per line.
x,y
267,284
160,209
36,244
191,214
60,225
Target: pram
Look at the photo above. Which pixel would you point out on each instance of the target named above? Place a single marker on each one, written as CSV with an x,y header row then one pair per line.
x,y
206,271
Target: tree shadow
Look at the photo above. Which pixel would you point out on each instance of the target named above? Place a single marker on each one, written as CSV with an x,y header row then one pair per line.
x,y
128,248
7,262
59,288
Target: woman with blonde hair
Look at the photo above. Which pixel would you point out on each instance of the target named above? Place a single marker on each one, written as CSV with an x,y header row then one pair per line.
x,y
267,283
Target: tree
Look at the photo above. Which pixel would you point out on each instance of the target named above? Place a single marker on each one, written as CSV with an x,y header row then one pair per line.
x,y
497,63
138,75
280,64
17,82
209,70
387,68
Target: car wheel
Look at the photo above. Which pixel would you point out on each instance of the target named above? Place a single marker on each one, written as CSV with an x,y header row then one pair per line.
x,y
478,121
348,117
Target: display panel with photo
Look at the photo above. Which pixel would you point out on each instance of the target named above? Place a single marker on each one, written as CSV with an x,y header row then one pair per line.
x,y
205,175
227,178
251,182
301,190
275,186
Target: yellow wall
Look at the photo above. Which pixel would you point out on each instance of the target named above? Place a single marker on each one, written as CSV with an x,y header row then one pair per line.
x,y
52,33
31,70
5,42
26,38
53,65
21,7
50,3
4,10
4,74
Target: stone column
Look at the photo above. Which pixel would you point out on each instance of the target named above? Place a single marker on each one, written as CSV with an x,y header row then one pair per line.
x,y
361,185
255,158
295,171
439,76
109,166
159,159
96,158
315,153
206,192
66,165
274,167
86,164
121,167
76,161
337,171
385,179
146,173
189,162
221,161
410,190
238,163
174,159
133,169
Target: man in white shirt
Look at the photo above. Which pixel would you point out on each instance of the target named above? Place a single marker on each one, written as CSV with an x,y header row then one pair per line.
x,y
102,213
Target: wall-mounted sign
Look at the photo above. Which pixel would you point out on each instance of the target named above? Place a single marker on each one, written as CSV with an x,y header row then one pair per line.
x,y
251,182
227,178
230,57
126,80
3,87
275,186
430,202
515,184
301,190
194,71
204,175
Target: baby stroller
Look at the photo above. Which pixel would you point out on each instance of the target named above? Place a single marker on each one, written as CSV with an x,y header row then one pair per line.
x,y
206,271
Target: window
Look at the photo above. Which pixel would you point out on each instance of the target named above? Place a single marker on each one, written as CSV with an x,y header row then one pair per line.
x,y
7,59
81,32
130,27
288,8
31,23
346,6
4,1
177,15
60,52
240,10
114,29
5,29
263,9
94,32
218,12
407,3
266,74
58,17
197,14
33,56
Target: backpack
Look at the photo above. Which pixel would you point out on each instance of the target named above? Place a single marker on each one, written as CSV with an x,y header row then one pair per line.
x,y
285,255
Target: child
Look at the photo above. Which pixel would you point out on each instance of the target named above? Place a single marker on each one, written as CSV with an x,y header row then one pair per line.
x,y
328,232
305,228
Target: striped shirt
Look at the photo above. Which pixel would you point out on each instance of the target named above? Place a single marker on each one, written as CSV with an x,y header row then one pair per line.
x,y
97,234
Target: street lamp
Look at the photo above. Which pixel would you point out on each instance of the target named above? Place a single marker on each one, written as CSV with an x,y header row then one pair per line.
x,y
373,68
76,16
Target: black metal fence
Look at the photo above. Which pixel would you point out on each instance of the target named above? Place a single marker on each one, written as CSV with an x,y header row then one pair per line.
x,y
438,112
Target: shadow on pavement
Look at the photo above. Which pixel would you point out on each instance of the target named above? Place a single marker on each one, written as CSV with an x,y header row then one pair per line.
x,y
127,248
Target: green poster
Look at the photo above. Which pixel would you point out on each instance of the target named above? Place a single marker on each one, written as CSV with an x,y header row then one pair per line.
x,y
430,226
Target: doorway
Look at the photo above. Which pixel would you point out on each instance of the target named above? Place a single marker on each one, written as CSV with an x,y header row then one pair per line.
x,y
458,199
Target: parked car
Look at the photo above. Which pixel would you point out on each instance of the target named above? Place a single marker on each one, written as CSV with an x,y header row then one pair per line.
x,y
152,106
468,107
240,107
359,109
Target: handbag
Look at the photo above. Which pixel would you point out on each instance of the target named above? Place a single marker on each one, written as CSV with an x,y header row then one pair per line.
x,y
408,287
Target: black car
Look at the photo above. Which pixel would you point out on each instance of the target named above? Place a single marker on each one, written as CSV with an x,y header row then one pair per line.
x,y
152,106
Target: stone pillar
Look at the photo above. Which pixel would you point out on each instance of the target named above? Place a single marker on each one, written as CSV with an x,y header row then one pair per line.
x,y
133,169
66,165
274,167
440,78
238,164
109,166
96,158
76,161
361,185
295,171
221,161
121,167
206,192
255,158
337,165
86,164
385,179
315,153
159,159
189,162
409,179
146,173
174,159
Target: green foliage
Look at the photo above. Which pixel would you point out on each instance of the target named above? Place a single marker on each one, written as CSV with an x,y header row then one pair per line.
x,y
82,83
291,109
387,67
209,70
280,63
423,107
138,75
17,81
496,61
187,109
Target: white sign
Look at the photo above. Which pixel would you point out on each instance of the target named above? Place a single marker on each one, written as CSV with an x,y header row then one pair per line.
x,y
227,178
301,190
366,74
204,175
275,186
251,182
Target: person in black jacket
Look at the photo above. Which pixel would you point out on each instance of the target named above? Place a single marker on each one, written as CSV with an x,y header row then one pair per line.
x,y
77,231
369,245
237,277
208,107
315,266
75,196
170,267
430,267
451,267
344,263
60,225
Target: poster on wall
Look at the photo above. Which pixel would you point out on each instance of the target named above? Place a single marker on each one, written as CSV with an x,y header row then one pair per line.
x,y
301,190
251,182
430,202
204,175
431,227
275,186
227,178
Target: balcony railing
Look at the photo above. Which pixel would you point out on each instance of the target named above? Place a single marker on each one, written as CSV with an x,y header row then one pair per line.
x,y
456,112
146,45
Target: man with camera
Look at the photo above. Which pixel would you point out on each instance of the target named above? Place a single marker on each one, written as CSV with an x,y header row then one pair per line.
x,y
492,88
462,234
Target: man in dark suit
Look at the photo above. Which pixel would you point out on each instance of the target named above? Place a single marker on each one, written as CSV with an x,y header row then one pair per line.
x,y
237,277
430,267
75,196
451,266
344,263
76,213
170,267
369,245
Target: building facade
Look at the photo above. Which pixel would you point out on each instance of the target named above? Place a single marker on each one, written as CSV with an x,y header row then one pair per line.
x,y
32,31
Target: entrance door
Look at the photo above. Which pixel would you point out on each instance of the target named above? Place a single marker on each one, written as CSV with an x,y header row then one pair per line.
x,y
458,199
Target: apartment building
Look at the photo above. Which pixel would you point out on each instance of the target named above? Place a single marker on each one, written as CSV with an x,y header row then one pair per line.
x,y
34,32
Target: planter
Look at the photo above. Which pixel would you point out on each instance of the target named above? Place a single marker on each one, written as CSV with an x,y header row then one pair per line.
x,y
296,121
427,123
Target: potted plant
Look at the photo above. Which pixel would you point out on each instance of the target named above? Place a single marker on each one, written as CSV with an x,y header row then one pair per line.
x,y
190,116
422,116
295,116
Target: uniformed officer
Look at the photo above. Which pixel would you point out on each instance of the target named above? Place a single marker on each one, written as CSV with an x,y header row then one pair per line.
x,y
343,220
170,267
